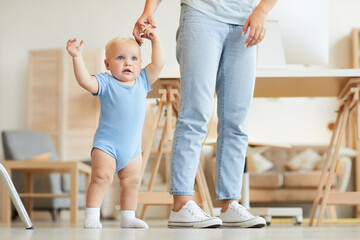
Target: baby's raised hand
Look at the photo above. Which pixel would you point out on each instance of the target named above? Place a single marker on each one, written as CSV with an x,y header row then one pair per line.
x,y
149,33
73,49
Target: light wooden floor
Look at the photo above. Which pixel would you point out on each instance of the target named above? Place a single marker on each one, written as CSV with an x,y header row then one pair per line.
x,y
62,230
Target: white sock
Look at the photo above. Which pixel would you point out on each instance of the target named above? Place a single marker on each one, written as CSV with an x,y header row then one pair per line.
x,y
128,220
92,218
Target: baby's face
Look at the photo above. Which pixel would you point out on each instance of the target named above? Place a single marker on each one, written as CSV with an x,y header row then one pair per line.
x,y
124,61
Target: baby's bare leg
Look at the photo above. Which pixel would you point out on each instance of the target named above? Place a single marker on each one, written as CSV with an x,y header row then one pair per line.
x,y
129,181
103,167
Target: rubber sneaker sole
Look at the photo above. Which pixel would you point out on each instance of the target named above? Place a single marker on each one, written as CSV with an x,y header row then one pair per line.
x,y
252,223
211,223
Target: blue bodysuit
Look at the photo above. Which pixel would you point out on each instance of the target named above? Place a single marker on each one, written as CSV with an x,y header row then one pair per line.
x,y
121,117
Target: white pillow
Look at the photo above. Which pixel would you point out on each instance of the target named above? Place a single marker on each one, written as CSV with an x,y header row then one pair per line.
x,y
343,152
261,163
304,161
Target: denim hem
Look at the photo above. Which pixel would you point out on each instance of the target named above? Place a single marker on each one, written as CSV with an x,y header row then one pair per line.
x,y
174,192
228,198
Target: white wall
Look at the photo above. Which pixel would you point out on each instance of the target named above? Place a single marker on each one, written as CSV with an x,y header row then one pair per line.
x,y
42,24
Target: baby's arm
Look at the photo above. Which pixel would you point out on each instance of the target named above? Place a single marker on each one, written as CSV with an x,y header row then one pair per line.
x,y
82,75
154,68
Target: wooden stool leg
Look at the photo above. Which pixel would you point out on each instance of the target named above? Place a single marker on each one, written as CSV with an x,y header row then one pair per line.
x,y
169,121
326,163
201,188
357,158
332,211
204,191
155,169
206,188
74,195
150,138
357,119
333,163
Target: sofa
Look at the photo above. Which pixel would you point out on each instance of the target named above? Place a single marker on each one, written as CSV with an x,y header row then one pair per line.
x,y
292,174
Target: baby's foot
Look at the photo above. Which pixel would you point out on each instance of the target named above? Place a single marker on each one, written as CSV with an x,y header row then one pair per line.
x,y
92,224
133,223
92,218
128,220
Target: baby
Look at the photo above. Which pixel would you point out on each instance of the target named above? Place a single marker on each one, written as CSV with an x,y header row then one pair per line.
x,y
117,141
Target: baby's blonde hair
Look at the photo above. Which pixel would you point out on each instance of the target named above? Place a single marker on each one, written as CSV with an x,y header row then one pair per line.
x,y
110,43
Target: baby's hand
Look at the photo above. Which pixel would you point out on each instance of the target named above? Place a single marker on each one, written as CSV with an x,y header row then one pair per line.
x,y
149,33
73,49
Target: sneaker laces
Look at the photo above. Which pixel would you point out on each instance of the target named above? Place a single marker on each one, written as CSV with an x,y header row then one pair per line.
x,y
197,212
241,210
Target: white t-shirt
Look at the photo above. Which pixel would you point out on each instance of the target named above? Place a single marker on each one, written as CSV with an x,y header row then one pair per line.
x,y
228,11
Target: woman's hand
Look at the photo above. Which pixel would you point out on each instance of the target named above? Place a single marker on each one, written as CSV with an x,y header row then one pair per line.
x,y
141,24
73,49
257,24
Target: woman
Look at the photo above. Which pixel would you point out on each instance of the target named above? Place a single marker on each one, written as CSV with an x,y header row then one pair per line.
x,y
215,51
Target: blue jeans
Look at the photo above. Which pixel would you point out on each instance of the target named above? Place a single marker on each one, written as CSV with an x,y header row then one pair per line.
x,y
212,57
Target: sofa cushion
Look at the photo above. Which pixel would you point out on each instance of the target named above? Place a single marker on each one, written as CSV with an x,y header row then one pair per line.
x,y
280,156
304,161
303,179
258,163
269,180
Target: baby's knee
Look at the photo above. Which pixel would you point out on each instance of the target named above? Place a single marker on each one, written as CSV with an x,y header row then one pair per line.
x,y
129,181
101,178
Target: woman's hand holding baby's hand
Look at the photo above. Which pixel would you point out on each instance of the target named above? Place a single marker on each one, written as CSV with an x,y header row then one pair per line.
x,y
149,33
73,49
141,25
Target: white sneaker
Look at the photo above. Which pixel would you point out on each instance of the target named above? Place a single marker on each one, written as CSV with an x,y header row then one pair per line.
x,y
237,216
191,215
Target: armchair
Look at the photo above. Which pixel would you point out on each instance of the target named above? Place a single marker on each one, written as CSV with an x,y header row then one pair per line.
x,y
24,145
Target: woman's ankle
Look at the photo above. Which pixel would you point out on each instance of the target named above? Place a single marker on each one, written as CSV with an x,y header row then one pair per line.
x,y
180,201
225,204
